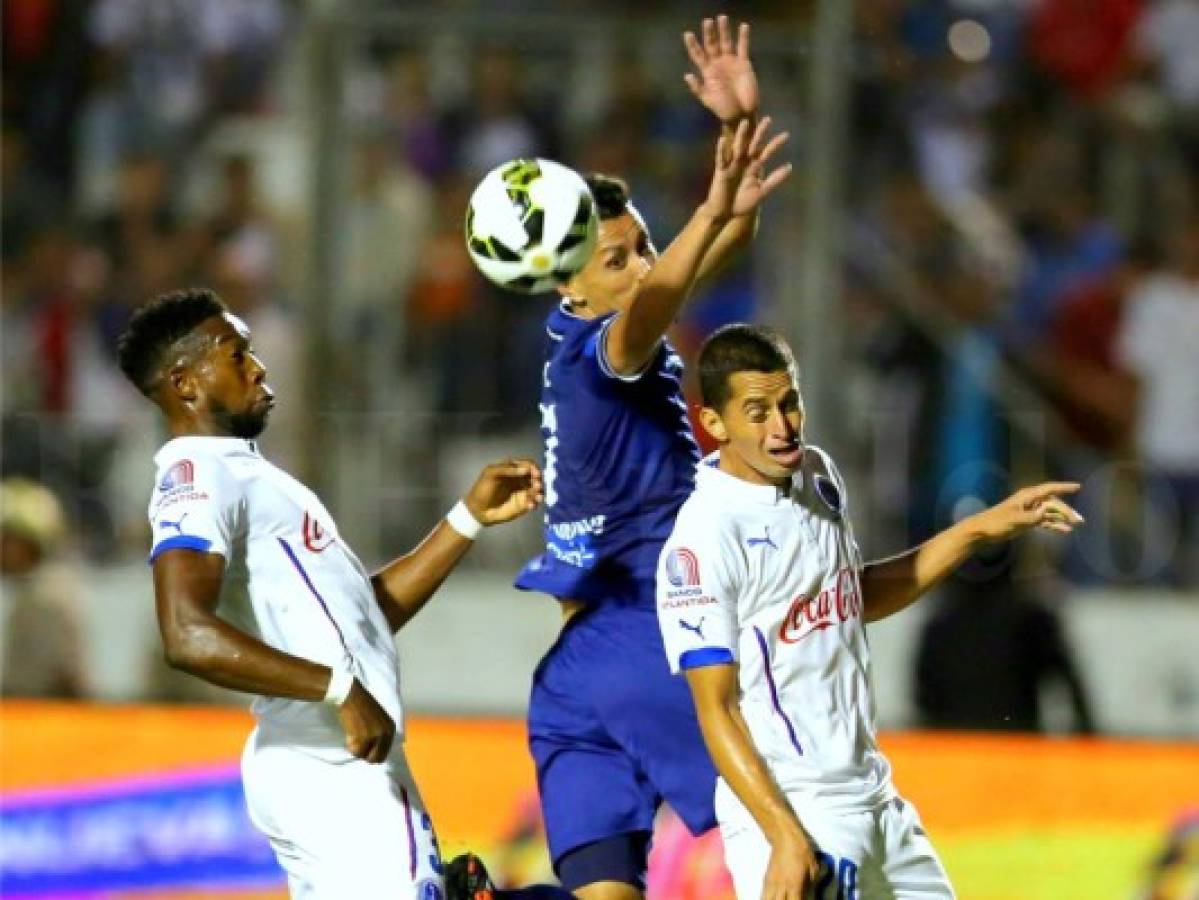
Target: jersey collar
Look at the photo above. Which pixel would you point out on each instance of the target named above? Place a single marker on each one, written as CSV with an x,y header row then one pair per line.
x,y
710,478
216,446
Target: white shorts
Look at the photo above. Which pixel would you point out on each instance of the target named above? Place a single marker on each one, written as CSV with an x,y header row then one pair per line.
x,y
877,854
341,827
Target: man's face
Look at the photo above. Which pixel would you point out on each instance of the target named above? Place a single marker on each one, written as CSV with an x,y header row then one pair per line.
x,y
229,380
623,255
760,428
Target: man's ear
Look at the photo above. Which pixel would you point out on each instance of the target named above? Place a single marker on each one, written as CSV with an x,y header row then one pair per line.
x,y
183,383
714,425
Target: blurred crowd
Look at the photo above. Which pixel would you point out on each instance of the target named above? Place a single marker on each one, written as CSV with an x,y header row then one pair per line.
x,y
1020,262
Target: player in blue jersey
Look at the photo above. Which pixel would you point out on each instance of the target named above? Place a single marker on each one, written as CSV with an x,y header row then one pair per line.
x,y
611,733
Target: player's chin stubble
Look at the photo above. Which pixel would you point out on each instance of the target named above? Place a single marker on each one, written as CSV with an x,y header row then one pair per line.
x,y
246,424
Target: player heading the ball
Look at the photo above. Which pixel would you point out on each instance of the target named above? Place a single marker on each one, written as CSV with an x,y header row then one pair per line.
x,y
613,735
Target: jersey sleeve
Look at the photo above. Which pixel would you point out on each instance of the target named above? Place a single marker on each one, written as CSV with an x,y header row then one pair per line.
x,y
697,588
597,350
197,505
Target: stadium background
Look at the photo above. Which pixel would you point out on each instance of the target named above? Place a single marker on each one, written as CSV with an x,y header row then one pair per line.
x,y
989,194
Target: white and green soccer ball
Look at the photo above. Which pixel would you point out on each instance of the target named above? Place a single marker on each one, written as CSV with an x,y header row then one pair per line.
x,y
530,225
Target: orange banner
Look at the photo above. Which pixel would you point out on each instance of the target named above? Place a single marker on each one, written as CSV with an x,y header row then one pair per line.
x,y
991,803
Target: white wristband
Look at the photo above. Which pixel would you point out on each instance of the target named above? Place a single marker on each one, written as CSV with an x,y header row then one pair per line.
x,y
340,683
463,521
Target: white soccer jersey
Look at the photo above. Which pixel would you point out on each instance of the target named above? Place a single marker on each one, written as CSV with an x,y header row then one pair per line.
x,y
771,580
289,578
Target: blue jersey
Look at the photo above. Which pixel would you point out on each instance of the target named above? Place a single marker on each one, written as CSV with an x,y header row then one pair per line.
x,y
619,462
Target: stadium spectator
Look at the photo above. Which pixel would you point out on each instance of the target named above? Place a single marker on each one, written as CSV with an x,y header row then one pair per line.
x,y
1068,246
39,620
990,648
1083,43
1158,345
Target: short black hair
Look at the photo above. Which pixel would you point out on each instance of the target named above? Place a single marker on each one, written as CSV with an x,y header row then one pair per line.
x,y
739,348
611,194
155,327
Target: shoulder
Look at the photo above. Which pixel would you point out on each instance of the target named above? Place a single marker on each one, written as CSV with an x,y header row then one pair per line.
x,y
188,472
584,341
187,463
572,339
565,327
820,462
826,478
703,521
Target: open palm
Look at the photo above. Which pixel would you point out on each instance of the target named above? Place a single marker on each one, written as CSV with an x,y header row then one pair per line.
x,y
726,83
740,182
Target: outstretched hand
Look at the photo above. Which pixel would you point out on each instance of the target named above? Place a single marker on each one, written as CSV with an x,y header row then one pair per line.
x,y
1039,506
739,182
505,491
725,83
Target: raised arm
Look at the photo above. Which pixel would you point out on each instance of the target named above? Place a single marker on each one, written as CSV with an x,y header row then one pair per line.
x,y
503,492
793,867
725,83
739,185
890,585
187,586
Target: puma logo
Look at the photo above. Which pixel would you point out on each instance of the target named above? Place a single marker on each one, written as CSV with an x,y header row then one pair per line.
x,y
177,524
762,541
698,628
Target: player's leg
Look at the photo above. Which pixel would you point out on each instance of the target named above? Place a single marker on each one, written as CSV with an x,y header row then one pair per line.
x,y
595,803
610,869
746,855
343,828
466,878
842,841
908,863
651,715
264,779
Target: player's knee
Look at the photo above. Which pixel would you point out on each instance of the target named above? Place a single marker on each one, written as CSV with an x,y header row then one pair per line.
x,y
607,890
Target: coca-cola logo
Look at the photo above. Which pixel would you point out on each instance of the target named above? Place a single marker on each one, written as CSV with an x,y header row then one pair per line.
x,y
837,603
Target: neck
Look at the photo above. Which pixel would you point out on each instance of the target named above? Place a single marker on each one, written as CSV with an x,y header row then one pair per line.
x,y
733,464
190,426
588,309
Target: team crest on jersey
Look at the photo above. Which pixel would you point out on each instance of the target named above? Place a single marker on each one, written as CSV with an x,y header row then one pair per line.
x,y
682,568
827,491
316,539
429,890
181,475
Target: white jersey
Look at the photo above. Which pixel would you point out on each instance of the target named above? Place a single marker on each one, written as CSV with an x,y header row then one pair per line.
x,y
289,578
770,580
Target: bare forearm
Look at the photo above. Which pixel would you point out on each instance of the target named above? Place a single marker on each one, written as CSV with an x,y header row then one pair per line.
x,y
406,584
890,585
662,293
217,652
736,235
738,761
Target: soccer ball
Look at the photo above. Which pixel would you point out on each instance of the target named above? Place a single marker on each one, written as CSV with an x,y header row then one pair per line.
x,y
530,225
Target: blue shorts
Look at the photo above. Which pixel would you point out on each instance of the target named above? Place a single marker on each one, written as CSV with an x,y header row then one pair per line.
x,y
613,733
